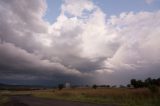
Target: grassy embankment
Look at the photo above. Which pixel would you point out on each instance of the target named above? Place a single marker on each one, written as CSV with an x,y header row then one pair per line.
x,y
117,96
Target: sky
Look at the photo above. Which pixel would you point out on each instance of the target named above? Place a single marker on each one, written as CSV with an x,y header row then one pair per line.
x,y
47,42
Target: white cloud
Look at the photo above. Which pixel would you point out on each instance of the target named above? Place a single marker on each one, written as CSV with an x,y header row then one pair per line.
x,y
149,1
82,42
119,39
77,8
138,52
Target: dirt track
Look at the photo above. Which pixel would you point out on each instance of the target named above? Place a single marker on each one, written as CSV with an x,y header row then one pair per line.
x,y
32,101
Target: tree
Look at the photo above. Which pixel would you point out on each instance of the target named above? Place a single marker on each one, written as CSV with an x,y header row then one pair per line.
x,y
137,83
149,83
140,84
60,86
94,86
158,81
108,86
134,83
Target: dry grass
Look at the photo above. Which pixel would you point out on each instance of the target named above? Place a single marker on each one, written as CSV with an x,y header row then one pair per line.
x,y
3,99
119,96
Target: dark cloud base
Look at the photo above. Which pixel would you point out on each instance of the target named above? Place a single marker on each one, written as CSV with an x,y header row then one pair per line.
x,y
81,47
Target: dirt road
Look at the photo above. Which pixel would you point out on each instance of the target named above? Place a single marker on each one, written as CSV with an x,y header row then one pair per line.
x,y
33,101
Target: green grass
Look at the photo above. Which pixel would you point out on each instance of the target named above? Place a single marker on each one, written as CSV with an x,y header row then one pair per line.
x,y
121,97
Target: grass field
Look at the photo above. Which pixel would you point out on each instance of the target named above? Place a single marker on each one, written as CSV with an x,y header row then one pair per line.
x,y
118,96
5,95
3,99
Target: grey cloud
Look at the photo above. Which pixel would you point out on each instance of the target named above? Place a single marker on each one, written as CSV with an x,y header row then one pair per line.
x,y
79,49
16,63
21,21
24,14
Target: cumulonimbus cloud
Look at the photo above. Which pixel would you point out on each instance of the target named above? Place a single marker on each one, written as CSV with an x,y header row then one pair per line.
x,y
84,43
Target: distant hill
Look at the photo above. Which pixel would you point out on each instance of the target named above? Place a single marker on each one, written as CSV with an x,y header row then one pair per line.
x,y
2,84
20,87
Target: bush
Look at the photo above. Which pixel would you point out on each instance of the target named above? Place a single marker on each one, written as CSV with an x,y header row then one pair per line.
x,y
94,86
60,86
153,88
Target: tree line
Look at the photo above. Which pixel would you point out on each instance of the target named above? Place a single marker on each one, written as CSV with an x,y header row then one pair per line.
x,y
134,83
146,83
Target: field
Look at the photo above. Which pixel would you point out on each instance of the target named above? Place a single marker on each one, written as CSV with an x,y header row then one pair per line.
x,y
3,99
117,96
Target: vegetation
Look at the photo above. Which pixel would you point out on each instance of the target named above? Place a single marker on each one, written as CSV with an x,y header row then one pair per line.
x,y
3,99
60,86
152,84
146,83
94,86
119,96
137,93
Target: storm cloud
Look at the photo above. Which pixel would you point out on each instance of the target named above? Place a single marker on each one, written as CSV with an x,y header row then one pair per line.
x,y
83,46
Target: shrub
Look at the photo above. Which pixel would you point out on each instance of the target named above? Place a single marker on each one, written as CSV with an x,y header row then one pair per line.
x,y
60,86
94,86
153,88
